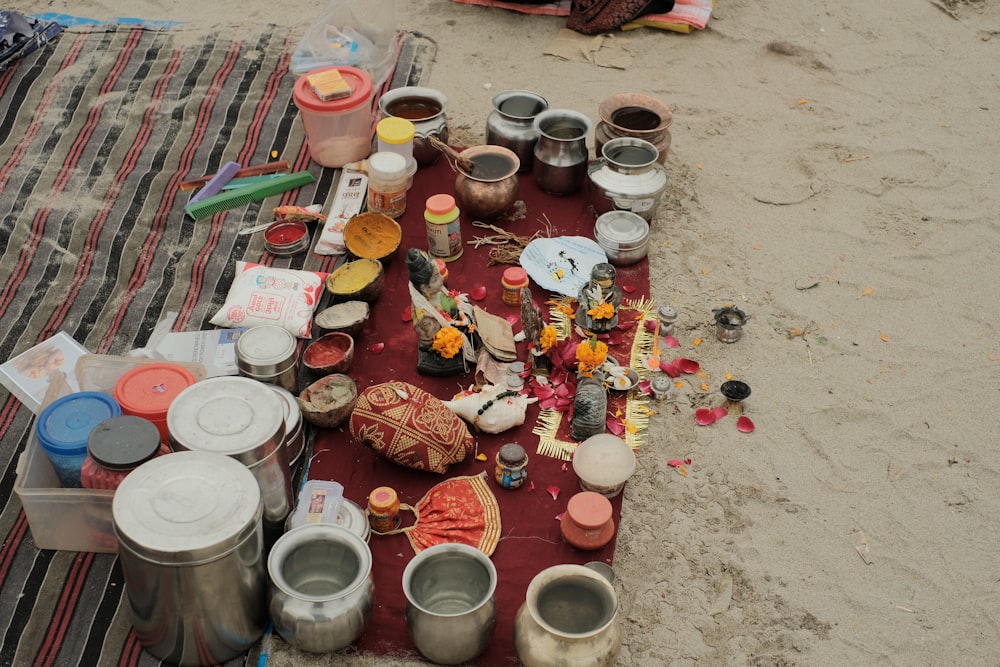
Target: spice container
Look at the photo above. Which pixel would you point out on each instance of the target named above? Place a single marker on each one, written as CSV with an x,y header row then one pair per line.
x,y
337,131
587,522
514,278
244,420
444,233
512,466
623,235
395,135
189,529
148,390
268,353
64,427
116,447
387,181
285,238
383,509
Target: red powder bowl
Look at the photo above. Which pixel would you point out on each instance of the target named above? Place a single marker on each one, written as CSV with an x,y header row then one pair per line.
x,y
330,353
286,237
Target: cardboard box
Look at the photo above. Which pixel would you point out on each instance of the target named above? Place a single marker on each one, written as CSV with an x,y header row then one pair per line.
x,y
28,375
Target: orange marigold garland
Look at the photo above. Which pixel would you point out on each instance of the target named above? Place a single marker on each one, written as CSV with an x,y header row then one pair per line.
x,y
447,342
590,355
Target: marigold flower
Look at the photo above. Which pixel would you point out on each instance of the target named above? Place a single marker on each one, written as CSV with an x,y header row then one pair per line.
x,y
447,342
591,354
602,311
548,338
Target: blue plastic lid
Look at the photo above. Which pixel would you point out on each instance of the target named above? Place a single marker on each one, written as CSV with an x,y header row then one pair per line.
x,y
65,425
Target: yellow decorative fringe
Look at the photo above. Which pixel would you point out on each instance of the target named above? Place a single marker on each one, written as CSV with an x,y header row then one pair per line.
x,y
546,429
644,343
559,318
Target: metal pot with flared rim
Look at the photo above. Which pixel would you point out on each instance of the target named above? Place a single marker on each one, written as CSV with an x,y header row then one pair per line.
x,y
321,589
426,109
569,617
561,153
450,607
634,115
511,124
627,177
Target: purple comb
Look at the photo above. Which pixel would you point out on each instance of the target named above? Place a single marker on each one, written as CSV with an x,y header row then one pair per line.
x,y
214,186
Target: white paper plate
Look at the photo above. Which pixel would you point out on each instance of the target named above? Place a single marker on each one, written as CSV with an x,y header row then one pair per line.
x,y
574,255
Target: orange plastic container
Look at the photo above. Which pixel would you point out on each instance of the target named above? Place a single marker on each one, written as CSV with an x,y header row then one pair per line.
x,y
147,391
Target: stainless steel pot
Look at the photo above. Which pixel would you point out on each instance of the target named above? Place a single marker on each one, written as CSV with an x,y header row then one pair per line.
x,y
450,608
561,153
511,124
426,109
321,587
627,177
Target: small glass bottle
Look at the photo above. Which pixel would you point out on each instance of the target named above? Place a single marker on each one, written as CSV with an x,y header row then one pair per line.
x,y
383,509
387,184
116,447
512,466
513,280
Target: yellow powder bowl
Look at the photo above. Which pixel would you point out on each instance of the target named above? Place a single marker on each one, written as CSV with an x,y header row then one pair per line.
x,y
372,235
359,280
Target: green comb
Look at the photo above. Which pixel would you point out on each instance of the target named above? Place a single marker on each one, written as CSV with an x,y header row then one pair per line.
x,y
233,198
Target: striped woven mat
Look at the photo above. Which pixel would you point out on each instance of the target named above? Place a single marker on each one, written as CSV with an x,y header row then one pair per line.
x,y
97,131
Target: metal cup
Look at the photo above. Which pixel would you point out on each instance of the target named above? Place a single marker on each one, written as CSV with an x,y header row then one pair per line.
x,y
450,608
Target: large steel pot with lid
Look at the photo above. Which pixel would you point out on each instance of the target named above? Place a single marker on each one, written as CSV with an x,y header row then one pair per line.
x,y
191,550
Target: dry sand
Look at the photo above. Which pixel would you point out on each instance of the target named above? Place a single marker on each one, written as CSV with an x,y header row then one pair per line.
x,y
833,173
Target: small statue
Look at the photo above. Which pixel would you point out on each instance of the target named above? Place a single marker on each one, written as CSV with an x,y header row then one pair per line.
x,y
541,337
442,320
599,300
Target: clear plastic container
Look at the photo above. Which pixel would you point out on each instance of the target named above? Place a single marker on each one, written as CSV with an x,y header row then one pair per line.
x,y
337,131
64,427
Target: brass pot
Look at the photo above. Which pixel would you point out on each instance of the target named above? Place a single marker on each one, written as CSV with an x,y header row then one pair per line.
x,y
635,115
492,186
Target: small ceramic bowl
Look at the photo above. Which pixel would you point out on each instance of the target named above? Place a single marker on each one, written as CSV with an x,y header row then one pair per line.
x,y
360,280
604,462
330,353
372,235
329,401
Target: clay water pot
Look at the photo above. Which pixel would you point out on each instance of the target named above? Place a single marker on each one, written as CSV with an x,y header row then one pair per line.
x,y
492,186
569,617
634,115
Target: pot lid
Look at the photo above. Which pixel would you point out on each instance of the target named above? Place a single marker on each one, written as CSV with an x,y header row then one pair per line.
x,y
148,389
621,227
186,507
604,460
66,423
122,443
230,415
358,79
265,345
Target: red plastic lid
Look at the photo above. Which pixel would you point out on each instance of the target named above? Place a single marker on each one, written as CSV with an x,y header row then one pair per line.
x,y
589,510
515,275
357,79
148,390
440,204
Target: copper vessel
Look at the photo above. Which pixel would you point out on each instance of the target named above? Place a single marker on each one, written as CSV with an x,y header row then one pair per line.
x,y
491,187
635,115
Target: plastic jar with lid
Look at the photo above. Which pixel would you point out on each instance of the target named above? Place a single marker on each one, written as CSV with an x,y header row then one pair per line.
x,y
387,184
395,135
383,509
337,131
587,522
64,427
116,447
444,232
148,390
514,278
512,466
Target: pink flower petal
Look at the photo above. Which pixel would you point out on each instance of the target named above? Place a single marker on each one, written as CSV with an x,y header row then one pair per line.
x,y
669,368
670,341
673,463
408,314
650,325
719,412
376,348
646,387
745,424
686,365
548,404
565,391
615,426
628,289
531,486
704,416
478,293
553,491
514,320
544,392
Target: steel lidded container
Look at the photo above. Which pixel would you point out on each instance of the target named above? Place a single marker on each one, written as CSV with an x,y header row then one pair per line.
x,y
244,420
191,550
268,353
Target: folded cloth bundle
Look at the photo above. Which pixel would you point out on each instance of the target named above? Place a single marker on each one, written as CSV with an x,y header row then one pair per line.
x,y
590,17
20,35
684,16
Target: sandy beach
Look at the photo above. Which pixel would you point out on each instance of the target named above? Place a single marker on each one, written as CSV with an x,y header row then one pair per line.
x,y
833,174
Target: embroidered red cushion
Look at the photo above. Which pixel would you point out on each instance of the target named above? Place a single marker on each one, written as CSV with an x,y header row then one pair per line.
x,y
410,427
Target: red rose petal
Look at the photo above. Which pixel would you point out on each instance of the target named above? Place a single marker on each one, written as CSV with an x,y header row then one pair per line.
x,y
745,424
628,289
688,366
548,404
478,293
615,426
704,416
719,412
376,348
514,320
565,391
408,314
543,392
670,341
531,486
671,370
553,491
650,325
614,338
673,463
645,386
